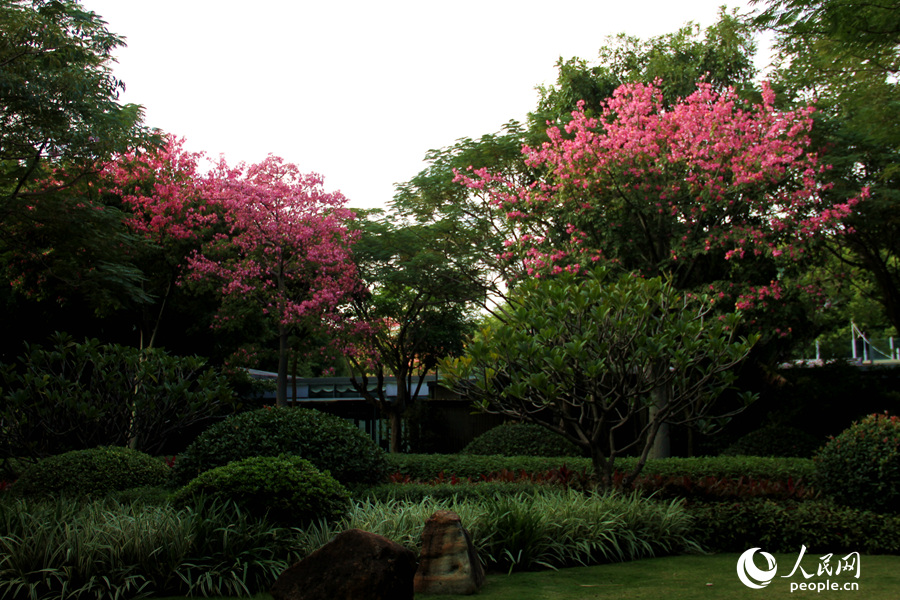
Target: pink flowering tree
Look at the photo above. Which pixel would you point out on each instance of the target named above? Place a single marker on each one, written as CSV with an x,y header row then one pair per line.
x,y
163,195
717,193
285,253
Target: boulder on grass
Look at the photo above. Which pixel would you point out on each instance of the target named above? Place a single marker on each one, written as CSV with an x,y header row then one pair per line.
x,y
448,563
355,565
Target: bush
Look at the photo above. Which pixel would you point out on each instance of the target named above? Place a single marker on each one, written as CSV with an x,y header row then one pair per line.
x,y
860,467
776,441
288,490
786,526
427,467
95,472
718,489
521,439
75,396
330,443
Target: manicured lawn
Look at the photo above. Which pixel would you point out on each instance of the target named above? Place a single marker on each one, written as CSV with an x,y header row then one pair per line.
x,y
684,578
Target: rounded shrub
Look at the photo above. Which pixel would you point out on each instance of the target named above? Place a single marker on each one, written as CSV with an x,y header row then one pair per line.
x,y
288,490
95,472
780,441
330,443
521,439
860,467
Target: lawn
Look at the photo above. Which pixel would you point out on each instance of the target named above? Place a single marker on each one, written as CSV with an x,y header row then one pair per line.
x,y
682,578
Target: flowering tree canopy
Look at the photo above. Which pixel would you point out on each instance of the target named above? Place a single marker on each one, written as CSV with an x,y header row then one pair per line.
x,y
286,251
689,191
163,196
162,189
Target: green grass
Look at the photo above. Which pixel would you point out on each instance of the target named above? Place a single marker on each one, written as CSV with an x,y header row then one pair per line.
x,y
681,578
684,578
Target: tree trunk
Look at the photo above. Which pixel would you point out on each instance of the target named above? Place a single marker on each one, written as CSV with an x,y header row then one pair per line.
x,y
281,390
662,447
603,469
396,432
660,398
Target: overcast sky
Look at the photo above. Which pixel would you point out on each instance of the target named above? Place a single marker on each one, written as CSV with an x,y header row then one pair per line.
x,y
358,91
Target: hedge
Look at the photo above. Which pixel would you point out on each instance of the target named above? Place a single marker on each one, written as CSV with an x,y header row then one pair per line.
x,y
427,467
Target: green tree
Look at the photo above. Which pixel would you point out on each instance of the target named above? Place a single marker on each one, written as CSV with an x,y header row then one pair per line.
x,y
471,228
60,116
721,55
415,311
846,55
583,355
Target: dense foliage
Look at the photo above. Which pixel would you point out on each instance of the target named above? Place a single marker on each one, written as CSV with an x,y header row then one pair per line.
x,y
284,257
105,550
587,355
94,472
60,114
287,490
775,440
330,443
785,526
414,312
860,467
521,439
74,396
429,467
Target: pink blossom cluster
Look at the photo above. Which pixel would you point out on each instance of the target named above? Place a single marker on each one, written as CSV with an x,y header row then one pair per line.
x,y
266,235
710,174
163,190
286,244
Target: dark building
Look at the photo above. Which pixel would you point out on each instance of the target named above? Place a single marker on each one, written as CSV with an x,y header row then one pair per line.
x,y
439,419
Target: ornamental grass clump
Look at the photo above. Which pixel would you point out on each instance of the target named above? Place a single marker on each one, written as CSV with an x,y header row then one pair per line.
x,y
105,550
553,528
860,467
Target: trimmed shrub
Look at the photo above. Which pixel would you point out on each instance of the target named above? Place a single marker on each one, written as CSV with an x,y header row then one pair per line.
x,y
521,439
330,443
427,467
288,490
777,441
718,489
785,526
860,467
95,472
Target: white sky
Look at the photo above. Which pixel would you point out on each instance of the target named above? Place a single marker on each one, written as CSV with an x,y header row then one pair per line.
x,y
358,91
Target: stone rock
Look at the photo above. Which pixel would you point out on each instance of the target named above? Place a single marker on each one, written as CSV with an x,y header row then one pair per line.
x,y
355,565
448,563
